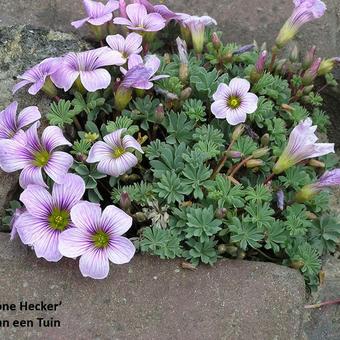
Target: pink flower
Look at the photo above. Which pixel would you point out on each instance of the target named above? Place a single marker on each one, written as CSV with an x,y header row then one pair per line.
x,y
37,76
128,46
233,102
88,66
32,156
138,19
97,239
114,154
97,13
48,215
11,123
302,145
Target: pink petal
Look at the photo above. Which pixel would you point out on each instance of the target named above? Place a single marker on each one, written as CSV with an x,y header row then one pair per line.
x,y
321,149
154,22
114,138
53,137
31,175
122,21
116,42
121,250
133,43
222,92
119,166
136,13
58,165
249,103
28,116
134,60
86,215
99,151
8,117
73,243
37,200
239,86
130,142
64,77
18,86
47,246
79,23
36,87
219,109
13,155
111,6
32,138
235,117
94,264
69,192
109,57
93,8
115,220
95,80
101,20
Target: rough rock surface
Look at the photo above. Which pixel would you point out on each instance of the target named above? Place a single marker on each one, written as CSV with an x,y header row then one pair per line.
x,y
153,299
20,48
241,20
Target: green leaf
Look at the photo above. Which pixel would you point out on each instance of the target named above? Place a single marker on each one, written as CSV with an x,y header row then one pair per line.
x,y
260,215
275,236
60,113
179,128
258,194
201,251
296,220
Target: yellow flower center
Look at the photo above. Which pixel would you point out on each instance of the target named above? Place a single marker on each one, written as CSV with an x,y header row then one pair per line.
x,y
234,102
59,219
41,158
118,152
101,239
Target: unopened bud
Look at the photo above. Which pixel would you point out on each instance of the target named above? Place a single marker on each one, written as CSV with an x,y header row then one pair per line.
x,y
326,66
220,213
316,164
91,136
140,217
294,54
265,139
261,62
299,93
287,108
298,264
308,89
260,152
186,93
159,113
238,131
244,49
309,58
222,249
279,65
234,154
254,163
311,73
123,97
167,58
183,72
311,216
216,41
228,58
125,202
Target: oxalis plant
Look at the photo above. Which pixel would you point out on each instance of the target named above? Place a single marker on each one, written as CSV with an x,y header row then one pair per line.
x,y
193,148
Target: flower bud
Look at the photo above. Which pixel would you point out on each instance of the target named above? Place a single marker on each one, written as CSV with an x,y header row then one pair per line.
x,y
260,152
222,249
294,54
244,49
309,58
238,131
183,72
287,108
216,41
298,264
316,164
326,66
234,154
305,194
159,113
308,89
123,97
91,136
231,250
49,88
261,62
186,93
220,213
125,202
254,163
265,139
279,65
140,217
311,73
167,58
228,58
311,216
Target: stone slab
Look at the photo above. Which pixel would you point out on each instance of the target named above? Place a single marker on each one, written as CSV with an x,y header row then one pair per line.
x,y
241,20
153,299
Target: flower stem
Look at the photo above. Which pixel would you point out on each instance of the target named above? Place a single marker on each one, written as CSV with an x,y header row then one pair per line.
x,y
239,166
222,161
77,124
272,62
326,303
268,178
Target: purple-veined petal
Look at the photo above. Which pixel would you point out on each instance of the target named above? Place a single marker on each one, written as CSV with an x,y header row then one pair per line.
x,y
135,60
37,200
86,215
101,20
115,221
95,80
64,77
219,109
130,142
114,138
31,175
19,85
133,43
58,165
99,151
94,264
116,42
36,87
69,192
239,86
118,166
153,22
235,117
28,116
321,149
32,138
222,93
152,63
122,21
8,119
136,13
74,242
79,23
47,246
249,102
121,250
53,137
13,155
93,8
